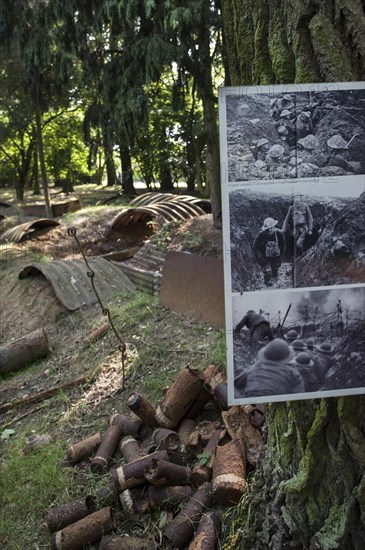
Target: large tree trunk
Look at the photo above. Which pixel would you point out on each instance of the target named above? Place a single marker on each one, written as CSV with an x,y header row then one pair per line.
x,y
127,171
42,162
309,491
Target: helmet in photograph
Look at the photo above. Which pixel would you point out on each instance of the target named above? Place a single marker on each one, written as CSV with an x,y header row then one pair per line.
x,y
277,350
309,142
268,223
291,335
324,350
276,151
285,112
337,142
303,360
298,345
287,97
261,142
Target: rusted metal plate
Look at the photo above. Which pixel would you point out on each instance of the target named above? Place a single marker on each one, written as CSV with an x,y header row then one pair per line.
x,y
29,229
58,208
193,285
71,284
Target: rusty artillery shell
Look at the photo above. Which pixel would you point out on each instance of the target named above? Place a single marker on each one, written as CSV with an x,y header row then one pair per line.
x,y
131,426
85,531
160,472
206,536
137,501
130,449
132,474
59,517
167,439
179,398
229,473
143,408
83,449
186,427
203,472
181,529
106,449
220,393
126,543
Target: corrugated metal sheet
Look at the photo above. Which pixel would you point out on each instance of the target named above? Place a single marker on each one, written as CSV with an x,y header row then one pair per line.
x,y
17,233
151,198
168,211
71,284
145,268
194,285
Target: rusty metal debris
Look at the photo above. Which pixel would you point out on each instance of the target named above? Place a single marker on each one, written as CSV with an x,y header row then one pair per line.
x,y
202,470
189,282
106,449
83,449
140,405
71,283
59,517
27,230
85,531
24,350
58,208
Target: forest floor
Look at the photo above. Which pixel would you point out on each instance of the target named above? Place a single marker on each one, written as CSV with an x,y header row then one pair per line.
x,y
159,344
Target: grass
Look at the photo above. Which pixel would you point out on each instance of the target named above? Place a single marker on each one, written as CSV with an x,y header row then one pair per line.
x,y
29,483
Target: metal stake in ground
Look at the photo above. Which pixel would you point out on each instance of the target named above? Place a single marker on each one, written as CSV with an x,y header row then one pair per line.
x,y
90,273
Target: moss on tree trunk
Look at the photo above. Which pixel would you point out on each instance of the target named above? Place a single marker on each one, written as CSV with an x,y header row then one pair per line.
x,y
309,490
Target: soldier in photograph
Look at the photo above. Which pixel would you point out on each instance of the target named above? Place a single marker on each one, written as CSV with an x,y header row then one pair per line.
x,y
299,220
304,124
271,374
280,104
269,248
257,324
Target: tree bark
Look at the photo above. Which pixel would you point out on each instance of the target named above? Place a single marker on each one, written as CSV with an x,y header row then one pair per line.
x,y
127,171
309,490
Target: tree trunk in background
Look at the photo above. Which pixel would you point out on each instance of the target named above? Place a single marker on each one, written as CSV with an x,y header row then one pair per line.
x,y
35,175
309,491
111,173
47,201
127,171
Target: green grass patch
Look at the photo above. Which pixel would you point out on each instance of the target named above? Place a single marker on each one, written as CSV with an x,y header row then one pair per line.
x,y
29,483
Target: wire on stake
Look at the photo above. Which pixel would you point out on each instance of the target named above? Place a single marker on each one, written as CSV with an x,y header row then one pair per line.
x,y
105,311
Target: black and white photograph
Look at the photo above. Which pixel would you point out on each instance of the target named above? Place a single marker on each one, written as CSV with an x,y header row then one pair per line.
x,y
286,236
298,344
309,134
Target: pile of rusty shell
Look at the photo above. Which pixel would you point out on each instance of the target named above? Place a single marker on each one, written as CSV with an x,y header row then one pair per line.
x,y
201,399
85,531
140,500
181,530
160,472
167,439
106,449
201,435
131,426
187,425
143,408
132,474
206,536
229,473
83,449
203,472
130,449
220,393
126,543
257,414
59,517
179,398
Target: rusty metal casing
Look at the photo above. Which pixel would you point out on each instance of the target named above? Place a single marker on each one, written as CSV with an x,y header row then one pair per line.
x,y
187,425
60,516
143,408
106,449
180,531
83,449
84,531
206,536
131,426
132,474
179,397
160,472
203,472
130,449
229,473
166,439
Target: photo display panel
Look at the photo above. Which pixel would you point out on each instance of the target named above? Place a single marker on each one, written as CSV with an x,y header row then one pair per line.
x,y
293,197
